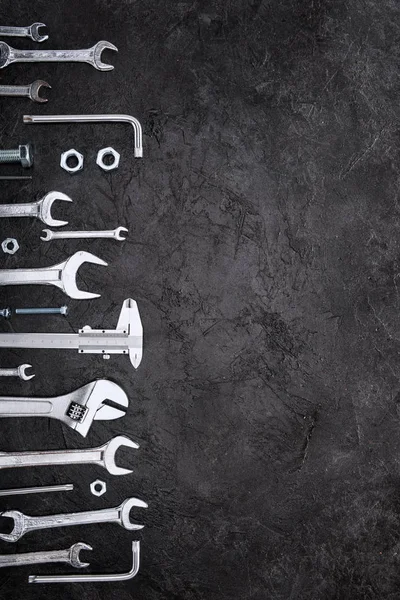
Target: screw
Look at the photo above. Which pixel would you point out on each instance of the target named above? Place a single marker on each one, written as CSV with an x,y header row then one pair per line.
x,y
5,312
63,310
22,155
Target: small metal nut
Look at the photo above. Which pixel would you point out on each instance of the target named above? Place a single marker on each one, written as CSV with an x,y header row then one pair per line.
x,y
64,161
98,487
108,152
10,246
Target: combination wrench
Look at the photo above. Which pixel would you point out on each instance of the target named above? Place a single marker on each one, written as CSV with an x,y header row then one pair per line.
x,y
17,372
40,209
120,515
102,456
26,91
92,56
69,556
115,234
31,32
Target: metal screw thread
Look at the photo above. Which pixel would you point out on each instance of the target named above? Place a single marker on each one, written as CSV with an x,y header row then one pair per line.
x,y
10,156
63,310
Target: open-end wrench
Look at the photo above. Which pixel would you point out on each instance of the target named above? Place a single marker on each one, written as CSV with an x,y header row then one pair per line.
x,y
62,275
100,400
70,556
17,372
115,234
30,32
25,91
40,209
120,515
103,456
92,56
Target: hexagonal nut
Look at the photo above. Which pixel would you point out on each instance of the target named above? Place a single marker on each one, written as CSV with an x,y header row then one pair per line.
x,y
98,487
108,152
65,156
10,246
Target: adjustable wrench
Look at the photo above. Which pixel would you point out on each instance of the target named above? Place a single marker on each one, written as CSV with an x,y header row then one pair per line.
x,y
115,234
25,91
103,456
62,275
40,209
24,523
30,32
92,56
70,556
17,372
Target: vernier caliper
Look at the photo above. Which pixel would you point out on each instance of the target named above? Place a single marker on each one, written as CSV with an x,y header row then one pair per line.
x,y
127,338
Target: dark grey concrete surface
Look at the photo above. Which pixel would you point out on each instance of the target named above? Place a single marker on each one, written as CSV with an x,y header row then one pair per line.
x,y
263,254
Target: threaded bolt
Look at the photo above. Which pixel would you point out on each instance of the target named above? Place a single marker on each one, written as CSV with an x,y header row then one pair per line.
x,y
5,312
23,154
63,310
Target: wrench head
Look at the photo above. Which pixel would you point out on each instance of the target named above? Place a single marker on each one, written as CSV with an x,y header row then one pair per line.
x,y
118,233
45,205
34,89
74,555
110,450
98,49
69,270
19,526
22,372
46,235
34,32
125,509
5,52
100,400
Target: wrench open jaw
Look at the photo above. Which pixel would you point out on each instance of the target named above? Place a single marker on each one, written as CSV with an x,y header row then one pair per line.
x,y
100,400
97,52
34,32
22,372
41,209
35,88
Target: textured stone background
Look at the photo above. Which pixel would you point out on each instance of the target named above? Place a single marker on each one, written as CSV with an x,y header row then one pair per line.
x,y
263,254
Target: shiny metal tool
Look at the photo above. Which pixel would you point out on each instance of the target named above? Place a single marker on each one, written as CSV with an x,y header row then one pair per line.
x,y
69,556
100,400
41,209
127,338
25,91
115,234
41,489
120,515
103,456
32,32
62,275
18,372
92,56
104,118
94,578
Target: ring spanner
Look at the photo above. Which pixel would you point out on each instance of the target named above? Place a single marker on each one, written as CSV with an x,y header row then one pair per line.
x,y
70,556
29,32
127,338
25,91
78,409
120,515
92,56
103,456
62,275
40,209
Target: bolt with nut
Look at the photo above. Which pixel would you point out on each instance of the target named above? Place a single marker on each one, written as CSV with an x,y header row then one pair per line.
x,y
23,154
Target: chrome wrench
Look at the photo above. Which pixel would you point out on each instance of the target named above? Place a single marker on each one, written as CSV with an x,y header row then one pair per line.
x,y
40,209
92,56
17,372
31,32
62,275
70,556
25,91
120,515
103,456
115,234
